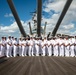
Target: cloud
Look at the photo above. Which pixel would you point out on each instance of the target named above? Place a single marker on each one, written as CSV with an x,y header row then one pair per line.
x,y
68,24
13,29
9,29
56,5
68,27
8,15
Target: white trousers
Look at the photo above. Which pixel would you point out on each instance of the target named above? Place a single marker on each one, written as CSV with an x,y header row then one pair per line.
x,y
67,51
20,50
2,50
75,50
26,50
9,51
61,48
30,50
23,49
37,50
72,54
43,51
55,50
50,51
14,51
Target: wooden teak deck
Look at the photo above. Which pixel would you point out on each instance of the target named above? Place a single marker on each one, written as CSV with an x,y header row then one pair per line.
x,y
38,66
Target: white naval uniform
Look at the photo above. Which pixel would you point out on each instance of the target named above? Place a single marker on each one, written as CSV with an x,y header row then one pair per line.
x,y
49,48
61,47
20,47
5,47
9,48
75,48
27,47
43,48
12,40
72,54
12,45
34,48
2,47
14,48
23,48
55,47
46,46
67,48
30,48
37,47
40,48
52,42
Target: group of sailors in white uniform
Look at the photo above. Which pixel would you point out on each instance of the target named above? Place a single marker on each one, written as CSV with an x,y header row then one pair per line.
x,y
59,46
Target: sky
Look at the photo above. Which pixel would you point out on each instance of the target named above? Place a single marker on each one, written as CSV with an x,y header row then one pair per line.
x,y
51,9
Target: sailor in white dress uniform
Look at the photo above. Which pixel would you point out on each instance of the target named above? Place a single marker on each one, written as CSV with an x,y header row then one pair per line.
x,y
37,46
40,48
15,44
49,47
61,47
27,46
31,47
75,46
0,47
20,46
3,46
9,47
72,42
34,48
67,47
53,43
23,47
56,44
43,47
46,46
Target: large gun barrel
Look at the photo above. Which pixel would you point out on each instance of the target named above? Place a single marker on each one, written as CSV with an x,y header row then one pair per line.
x,y
39,10
61,16
14,12
30,28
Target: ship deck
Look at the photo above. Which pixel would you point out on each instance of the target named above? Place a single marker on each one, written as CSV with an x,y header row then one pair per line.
x,y
38,65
